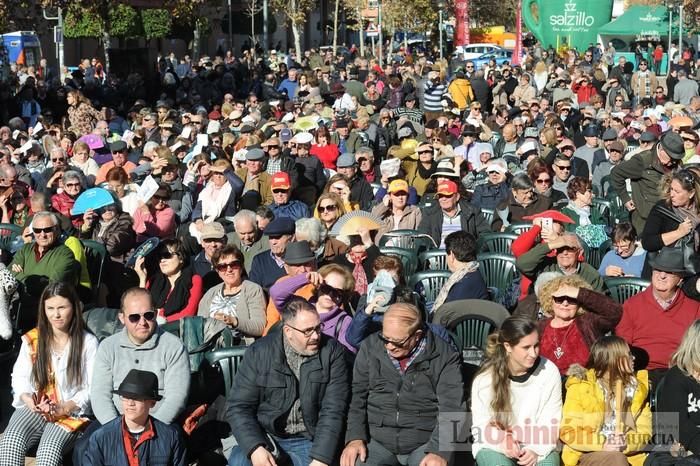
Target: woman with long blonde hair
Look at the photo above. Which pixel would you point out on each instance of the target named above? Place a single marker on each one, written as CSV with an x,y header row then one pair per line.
x,y
516,400
606,417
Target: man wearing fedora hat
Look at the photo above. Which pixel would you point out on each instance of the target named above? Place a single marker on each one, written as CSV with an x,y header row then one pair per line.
x,y
297,417
656,319
136,437
268,266
645,172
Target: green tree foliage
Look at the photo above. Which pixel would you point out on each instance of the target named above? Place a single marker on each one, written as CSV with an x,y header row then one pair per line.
x,y
124,21
82,22
157,23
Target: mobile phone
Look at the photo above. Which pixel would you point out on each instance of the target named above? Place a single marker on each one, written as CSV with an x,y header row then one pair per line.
x,y
547,223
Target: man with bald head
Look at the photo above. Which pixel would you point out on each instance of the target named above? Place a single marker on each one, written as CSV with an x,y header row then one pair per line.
x,y
508,143
404,379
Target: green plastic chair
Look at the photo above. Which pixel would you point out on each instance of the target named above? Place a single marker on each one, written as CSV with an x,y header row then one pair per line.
x,y
488,215
604,208
408,257
498,270
435,259
95,255
227,360
622,288
497,242
407,239
471,332
594,256
8,233
431,283
518,228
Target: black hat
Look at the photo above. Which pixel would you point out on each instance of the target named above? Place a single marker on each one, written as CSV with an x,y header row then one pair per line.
x,y
410,97
247,129
139,385
672,143
298,253
590,131
117,146
341,123
433,124
647,136
280,226
669,260
470,130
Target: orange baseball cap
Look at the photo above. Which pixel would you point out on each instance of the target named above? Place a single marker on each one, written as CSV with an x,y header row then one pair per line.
x,y
447,188
398,186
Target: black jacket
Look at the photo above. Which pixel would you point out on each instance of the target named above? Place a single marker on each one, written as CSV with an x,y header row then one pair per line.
x,y
361,191
401,412
515,212
265,389
471,219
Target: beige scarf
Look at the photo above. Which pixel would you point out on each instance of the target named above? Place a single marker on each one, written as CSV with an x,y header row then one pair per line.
x,y
469,267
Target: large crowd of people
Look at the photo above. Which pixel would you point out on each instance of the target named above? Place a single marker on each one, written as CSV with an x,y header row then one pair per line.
x,y
277,203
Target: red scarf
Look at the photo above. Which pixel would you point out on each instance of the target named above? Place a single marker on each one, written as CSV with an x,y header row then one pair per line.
x,y
358,273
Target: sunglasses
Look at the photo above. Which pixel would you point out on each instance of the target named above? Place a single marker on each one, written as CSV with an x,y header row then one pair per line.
x,y
445,196
279,191
564,299
224,266
334,293
59,159
149,316
565,168
399,193
362,160
160,198
493,172
43,230
398,344
165,255
543,181
565,249
425,152
329,208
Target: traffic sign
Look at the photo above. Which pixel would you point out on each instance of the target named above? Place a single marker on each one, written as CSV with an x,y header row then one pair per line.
x,y
372,30
58,34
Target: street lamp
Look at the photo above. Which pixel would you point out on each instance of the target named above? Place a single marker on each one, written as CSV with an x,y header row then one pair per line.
x,y
440,5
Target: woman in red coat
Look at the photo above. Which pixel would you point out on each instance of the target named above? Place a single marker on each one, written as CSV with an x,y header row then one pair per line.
x,y
324,150
584,90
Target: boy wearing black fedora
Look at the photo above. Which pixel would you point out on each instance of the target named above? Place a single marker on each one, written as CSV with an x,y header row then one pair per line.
x,y
135,437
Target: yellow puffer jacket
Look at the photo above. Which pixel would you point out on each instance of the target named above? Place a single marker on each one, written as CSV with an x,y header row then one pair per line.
x,y
583,416
461,92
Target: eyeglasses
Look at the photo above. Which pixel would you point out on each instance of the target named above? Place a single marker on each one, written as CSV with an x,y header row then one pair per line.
x,y
658,92
564,167
543,180
224,266
43,230
328,208
72,185
149,316
308,332
334,293
623,246
618,100
165,255
564,299
279,191
397,344
642,64
59,159
399,193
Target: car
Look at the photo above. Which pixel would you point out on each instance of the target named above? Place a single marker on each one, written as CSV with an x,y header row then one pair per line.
x,y
471,51
501,56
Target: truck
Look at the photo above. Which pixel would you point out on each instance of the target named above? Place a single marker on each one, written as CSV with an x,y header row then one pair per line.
x,y
23,47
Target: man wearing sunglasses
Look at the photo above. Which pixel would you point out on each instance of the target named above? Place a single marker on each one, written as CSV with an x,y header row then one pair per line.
x,y
387,430
139,345
297,416
568,259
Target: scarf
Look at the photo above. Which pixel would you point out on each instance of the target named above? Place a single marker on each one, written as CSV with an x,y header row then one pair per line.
x,y
425,173
584,213
358,272
171,300
69,424
214,201
469,267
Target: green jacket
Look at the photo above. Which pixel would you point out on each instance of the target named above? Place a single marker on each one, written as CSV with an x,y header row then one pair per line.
x,y
58,264
596,219
645,172
535,261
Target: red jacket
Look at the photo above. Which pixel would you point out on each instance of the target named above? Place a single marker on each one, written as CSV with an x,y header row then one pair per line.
x,y
520,246
63,204
583,93
646,325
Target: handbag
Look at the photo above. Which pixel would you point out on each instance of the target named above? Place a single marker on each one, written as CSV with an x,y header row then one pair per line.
x,y
691,261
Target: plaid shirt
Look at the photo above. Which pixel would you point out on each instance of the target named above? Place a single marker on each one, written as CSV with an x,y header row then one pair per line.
x,y
274,165
411,357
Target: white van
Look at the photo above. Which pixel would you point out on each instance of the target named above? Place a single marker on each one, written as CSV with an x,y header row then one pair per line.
x,y
471,51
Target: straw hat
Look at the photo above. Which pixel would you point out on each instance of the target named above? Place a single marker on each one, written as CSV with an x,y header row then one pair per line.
x,y
307,123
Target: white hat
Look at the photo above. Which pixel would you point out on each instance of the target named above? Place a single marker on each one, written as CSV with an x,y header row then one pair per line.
x,y
528,146
497,165
240,154
302,138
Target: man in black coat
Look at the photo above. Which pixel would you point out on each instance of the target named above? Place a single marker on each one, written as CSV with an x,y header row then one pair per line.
x,y
482,91
360,190
406,382
290,396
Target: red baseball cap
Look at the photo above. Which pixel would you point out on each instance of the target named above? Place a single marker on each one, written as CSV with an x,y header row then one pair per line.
x,y
555,215
447,188
280,180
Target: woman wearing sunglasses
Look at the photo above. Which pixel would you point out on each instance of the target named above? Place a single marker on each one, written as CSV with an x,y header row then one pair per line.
x,y
237,302
329,208
573,317
394,210
175,289
606,415
51,381
110,226
63,201
334,284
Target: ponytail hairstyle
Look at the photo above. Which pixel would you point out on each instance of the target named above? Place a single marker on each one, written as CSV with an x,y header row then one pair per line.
x,y
512,331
